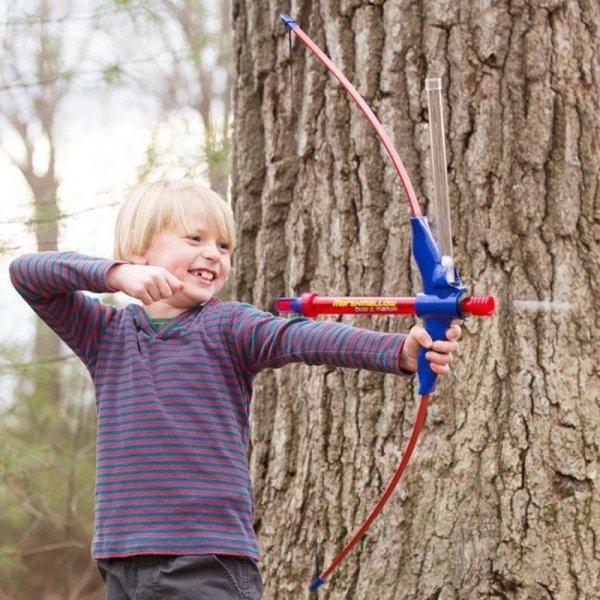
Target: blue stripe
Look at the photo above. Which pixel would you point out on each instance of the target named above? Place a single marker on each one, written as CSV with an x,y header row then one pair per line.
x,y
156,437
180,475
153,415
181,540
131,517
193,450
201,455
190,499
102,547
104,473
149,486
170,427
238,459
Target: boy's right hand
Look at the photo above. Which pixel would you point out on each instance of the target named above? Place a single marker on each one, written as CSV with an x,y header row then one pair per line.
x,y
147,283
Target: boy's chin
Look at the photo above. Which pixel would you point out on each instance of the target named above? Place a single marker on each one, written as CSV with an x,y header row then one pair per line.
x,y
192,300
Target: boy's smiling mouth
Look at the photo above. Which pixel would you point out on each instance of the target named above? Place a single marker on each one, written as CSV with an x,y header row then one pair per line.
x,y
205,274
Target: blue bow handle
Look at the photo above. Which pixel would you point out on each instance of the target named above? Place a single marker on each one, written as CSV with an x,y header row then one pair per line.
x,y
439,304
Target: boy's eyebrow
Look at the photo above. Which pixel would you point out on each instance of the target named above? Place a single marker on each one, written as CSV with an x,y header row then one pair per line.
x,y
193,228
204,230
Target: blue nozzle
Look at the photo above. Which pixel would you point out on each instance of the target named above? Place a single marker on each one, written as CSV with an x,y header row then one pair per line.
x,y
288,21
317,582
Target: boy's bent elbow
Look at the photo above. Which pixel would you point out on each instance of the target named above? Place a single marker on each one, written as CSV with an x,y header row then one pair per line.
x,y
16,270
20,275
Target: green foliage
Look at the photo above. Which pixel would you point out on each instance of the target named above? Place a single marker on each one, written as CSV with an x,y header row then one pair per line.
x,y
112,74
47,462
217,149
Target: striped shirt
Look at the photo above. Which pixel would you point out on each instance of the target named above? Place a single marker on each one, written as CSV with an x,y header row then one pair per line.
x,y
173,406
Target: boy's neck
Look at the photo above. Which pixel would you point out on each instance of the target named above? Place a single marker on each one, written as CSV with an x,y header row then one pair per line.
x,y
163,311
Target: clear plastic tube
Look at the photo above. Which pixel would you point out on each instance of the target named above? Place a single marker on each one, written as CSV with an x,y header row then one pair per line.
x,y
433,86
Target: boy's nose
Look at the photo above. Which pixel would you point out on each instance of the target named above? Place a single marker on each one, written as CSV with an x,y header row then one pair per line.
x,y
210,251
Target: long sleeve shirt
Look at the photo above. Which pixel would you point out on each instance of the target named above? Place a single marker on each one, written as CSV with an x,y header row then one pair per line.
x,y
173,405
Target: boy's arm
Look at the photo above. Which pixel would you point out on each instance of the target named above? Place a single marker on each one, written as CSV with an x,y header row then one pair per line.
x,y
262,340
50,282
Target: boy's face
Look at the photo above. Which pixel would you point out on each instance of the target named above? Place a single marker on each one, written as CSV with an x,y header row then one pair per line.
x,y
201,260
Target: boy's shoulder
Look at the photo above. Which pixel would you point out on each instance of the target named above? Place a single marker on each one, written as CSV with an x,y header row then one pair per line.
x,y
232,310
226,307
214,316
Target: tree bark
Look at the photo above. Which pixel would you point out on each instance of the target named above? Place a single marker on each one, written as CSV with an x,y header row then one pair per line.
x,y
501,497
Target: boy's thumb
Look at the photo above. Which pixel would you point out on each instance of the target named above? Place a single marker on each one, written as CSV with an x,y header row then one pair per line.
x,y
423,337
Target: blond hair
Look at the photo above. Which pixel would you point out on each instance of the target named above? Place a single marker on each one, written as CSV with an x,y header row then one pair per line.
x,y
153,208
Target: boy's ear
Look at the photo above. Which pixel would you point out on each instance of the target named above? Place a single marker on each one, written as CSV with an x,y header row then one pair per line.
x,y
137,259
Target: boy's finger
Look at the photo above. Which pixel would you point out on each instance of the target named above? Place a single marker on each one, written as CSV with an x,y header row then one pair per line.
x,y
174,283
440,369
165,289
454,332
445,347
439,359
153,291
421,335
145,298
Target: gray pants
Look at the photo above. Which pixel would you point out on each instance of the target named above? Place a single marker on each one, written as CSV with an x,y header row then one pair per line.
x,y
193,577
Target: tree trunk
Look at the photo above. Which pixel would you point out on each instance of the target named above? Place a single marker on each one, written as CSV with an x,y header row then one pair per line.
x,y
501,497
47,344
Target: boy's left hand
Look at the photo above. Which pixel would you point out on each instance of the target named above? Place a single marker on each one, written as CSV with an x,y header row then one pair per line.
x,y
439,353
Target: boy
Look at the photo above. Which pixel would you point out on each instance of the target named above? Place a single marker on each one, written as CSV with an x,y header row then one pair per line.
x,y
173,380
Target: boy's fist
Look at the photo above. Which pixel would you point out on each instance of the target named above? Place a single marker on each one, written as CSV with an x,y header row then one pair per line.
x,y
145,282
439,353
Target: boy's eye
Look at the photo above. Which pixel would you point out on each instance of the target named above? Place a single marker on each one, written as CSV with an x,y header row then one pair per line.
x,y
197,239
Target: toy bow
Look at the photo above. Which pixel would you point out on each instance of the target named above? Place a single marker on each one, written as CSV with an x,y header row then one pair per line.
x,y
443,298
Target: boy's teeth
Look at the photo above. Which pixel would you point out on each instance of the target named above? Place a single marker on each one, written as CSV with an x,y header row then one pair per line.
x,y
204,274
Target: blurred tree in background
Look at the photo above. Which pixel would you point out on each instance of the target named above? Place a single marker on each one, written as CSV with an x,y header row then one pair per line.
x,y
191,81
57,59
47,485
